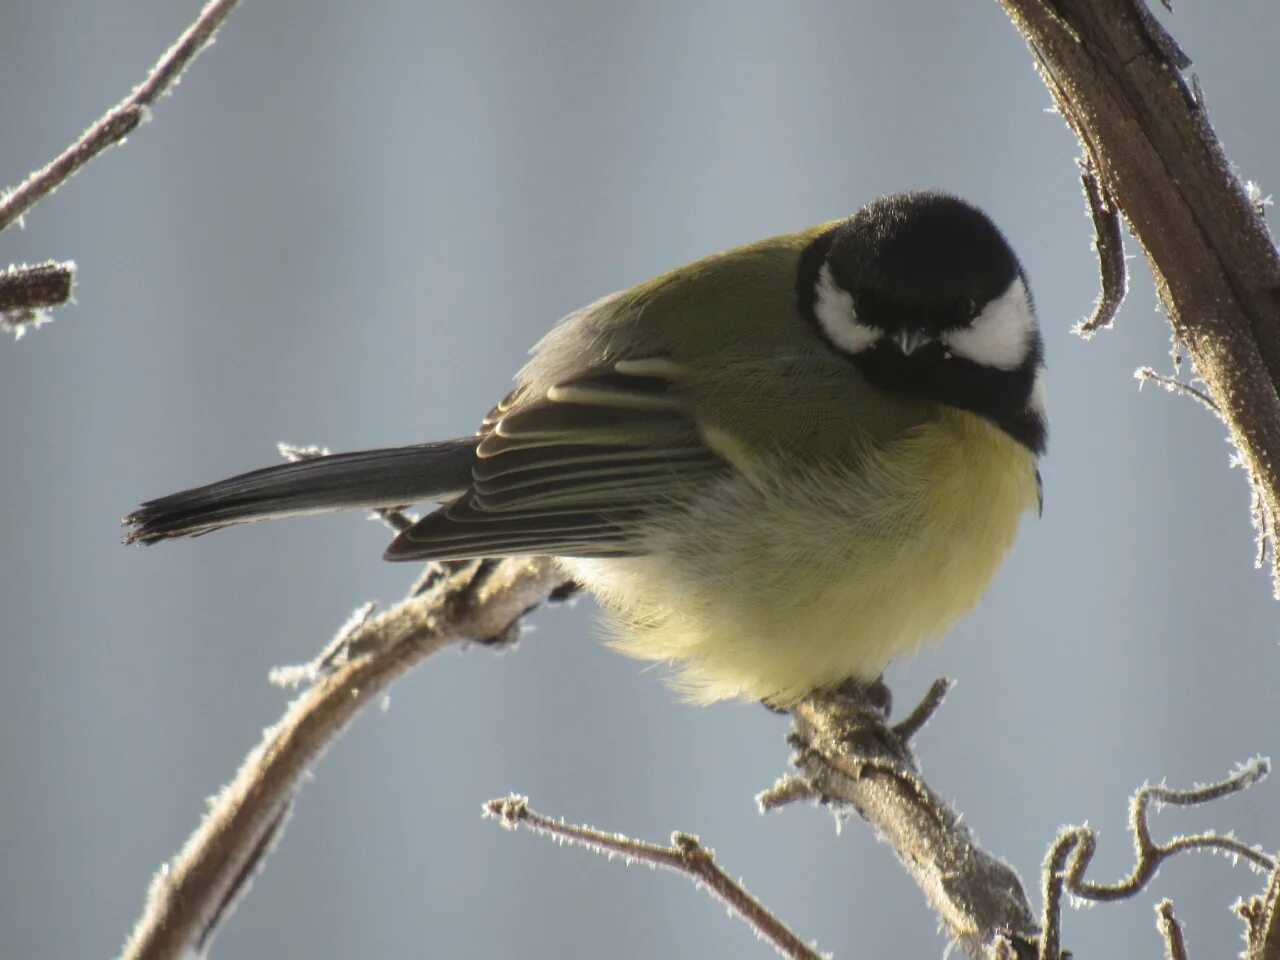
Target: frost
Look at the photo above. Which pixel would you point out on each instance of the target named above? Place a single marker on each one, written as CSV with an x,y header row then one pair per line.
x,y
1254,193
293,676
18,322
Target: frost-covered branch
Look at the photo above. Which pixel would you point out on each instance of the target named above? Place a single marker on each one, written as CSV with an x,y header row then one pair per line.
x,y
1175,944
26,292
192,894
1120,81
686,855
1072,852
851,758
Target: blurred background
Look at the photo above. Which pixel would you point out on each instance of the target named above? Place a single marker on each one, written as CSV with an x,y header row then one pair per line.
x,y
346,228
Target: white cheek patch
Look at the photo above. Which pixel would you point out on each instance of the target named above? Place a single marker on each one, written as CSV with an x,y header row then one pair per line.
x,y
1037,402
1000,335
834,309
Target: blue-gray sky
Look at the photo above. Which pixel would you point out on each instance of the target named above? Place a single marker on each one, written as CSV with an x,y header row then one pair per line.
x,y
346,228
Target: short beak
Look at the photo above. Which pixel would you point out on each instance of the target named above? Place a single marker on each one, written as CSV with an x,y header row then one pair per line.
x,y
909,341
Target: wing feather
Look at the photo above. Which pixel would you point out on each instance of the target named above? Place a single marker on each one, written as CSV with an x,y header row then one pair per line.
x,y
573,472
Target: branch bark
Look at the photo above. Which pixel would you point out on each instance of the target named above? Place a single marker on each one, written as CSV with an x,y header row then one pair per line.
x,y
25,292
852,758
1116,78
28,291
191,896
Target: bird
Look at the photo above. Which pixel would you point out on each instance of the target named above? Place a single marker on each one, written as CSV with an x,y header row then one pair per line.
x,y
778,468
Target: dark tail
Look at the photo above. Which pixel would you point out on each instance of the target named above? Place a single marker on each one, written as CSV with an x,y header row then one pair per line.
x,y
394,477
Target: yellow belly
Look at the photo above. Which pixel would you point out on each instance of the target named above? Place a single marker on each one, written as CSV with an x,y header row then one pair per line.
x,y
797,580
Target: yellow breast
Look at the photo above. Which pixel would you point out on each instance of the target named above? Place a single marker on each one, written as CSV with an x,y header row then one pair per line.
x,y
798,579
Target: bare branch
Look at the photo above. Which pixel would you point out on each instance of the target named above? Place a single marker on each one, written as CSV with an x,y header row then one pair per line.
x,y
27,291
906,729
1262,921
192,894
240,883
1269,933
785,790
1173,385
1116,78
1071,853
1175,944
1108,242
685,855
852,758
121,120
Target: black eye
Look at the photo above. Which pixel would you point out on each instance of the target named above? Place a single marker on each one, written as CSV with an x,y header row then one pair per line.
x,y
971,308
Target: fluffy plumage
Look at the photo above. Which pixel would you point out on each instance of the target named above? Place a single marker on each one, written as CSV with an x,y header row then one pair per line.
x,y
810,576
778,467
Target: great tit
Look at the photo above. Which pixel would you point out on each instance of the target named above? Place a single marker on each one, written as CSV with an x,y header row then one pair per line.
x,y
777,467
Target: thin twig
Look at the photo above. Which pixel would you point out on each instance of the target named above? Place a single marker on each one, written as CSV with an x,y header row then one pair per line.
x,y
335,653
1172,385
1071,853
914,722
785,790
121,120
685,855
1269,938
1108,242
27,291
192,894
1175,944
1261,916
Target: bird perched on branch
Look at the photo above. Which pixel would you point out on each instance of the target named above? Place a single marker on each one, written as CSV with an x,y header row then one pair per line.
x,y
777,467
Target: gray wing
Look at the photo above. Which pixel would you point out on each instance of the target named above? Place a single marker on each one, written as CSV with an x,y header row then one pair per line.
x,y
573,472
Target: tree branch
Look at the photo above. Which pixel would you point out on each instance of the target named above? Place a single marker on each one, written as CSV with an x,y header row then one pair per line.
x,y
193,894
1113,273
25,292
1071,853
852,758
1261,916
1175,944
1115,76
1173,385
685,855
121,120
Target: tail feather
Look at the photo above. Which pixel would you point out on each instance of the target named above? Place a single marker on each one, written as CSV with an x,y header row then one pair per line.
x,y
391,477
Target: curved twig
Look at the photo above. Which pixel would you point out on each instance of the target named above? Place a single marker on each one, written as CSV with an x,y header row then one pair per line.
x,y
1071,853
686,855
1108,242
906,729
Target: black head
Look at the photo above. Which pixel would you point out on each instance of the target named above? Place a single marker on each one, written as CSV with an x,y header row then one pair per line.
x,y
924,295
